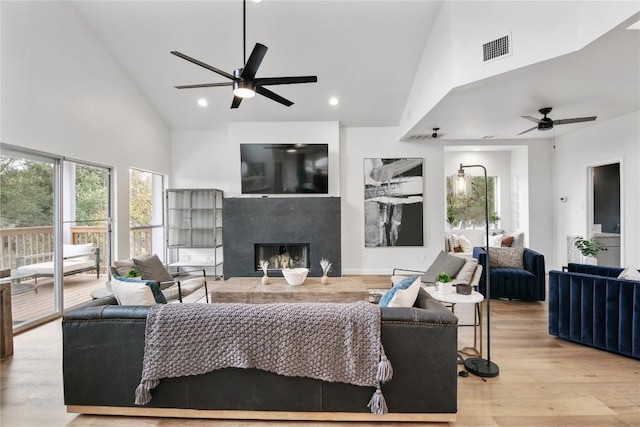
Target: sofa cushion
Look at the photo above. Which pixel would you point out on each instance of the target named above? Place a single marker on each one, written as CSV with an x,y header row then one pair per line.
x,y
444,263
187,287
506,257
151,268
402,294
136,292
73,250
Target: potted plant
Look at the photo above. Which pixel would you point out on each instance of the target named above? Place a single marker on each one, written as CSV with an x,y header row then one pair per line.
x,y
589,249
493,219
443,283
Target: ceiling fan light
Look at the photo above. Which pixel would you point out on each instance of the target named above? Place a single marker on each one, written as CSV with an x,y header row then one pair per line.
x,y
243,89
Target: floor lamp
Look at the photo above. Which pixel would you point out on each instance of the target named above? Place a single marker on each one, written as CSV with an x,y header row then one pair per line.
x,y
477,365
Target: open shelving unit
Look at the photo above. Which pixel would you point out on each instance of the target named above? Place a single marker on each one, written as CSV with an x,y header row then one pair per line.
x,y
193,230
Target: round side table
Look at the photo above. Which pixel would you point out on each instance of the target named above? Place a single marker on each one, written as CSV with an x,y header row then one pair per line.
x,y
474,298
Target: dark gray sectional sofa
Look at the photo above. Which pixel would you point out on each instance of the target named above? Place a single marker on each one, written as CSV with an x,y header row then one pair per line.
x,y
103,347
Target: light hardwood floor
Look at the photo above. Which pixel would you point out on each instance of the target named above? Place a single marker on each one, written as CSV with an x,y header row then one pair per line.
x,y
543,381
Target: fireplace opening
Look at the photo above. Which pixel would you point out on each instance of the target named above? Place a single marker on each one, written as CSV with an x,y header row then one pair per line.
x,y
281,255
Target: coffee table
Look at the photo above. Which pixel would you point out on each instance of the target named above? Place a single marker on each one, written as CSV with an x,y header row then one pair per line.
x,y
16,278
250,290
474,298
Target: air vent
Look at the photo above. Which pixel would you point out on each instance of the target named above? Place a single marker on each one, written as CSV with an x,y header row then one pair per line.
x,y
497,48
422,137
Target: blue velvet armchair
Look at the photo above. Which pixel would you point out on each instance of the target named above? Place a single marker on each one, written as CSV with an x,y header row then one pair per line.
x,y
527,283
589,305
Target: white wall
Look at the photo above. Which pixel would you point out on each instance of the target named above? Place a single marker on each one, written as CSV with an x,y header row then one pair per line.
x,y
211,158
616,140
540,30
62,93
356,144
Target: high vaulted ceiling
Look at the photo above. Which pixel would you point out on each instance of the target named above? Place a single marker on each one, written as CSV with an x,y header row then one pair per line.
x,y
363,52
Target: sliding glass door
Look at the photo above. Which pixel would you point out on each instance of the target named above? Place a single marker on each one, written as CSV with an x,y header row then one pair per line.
x,y
54,232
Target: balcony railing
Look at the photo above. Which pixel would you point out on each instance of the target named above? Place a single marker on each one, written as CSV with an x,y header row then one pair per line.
x,y
34,241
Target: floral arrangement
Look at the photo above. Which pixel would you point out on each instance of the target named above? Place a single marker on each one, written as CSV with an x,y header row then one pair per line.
x,y
264,264
326,266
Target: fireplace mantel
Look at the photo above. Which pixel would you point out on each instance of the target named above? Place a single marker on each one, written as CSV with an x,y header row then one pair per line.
x,y
248,221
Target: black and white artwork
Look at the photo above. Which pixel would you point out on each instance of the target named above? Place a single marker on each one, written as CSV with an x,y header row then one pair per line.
x,y
393,198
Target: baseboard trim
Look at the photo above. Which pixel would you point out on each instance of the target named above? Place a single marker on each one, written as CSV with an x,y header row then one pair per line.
x,y
257,415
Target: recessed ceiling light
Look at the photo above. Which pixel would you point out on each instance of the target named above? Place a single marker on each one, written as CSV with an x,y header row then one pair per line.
x,y
333,101
203,102
257,1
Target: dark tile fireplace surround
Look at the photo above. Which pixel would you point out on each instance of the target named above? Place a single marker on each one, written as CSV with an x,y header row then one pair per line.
x,y
280,221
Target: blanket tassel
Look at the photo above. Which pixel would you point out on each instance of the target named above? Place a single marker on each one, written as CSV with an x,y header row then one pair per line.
x,y
377,403
385,370
143,391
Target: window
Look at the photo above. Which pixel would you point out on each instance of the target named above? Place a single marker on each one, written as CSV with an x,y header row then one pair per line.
x,y
465,206
145,213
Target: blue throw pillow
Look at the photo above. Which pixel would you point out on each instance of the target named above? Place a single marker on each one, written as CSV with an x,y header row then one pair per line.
x,y
402,294
158,296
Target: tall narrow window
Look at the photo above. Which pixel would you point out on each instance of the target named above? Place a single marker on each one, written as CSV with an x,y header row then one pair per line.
x,y
466,204
145,213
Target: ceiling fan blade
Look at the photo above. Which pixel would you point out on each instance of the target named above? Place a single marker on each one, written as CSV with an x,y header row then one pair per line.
x,y
575,120
528,130
285,80
203,85
202,64
274,96
236,102
254,61
533,119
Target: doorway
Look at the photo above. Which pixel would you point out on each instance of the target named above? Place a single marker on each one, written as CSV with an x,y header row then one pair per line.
x,y
605,211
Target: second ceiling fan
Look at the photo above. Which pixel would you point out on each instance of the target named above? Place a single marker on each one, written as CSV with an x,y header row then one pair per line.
x,y
243,80
546,123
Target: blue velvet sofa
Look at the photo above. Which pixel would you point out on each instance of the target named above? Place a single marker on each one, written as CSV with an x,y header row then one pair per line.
x,y
589,305
527,283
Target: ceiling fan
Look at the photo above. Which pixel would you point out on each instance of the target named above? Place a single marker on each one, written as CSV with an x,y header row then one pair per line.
x,y
243,80
546,123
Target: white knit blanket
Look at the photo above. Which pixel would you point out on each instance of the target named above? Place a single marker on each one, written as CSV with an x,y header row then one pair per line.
x,y
330,342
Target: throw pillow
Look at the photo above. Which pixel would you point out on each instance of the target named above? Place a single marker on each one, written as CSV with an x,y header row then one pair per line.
x,y
465,274
151,268
136,292
495,241
444,263
630,274
506,241
506,257
123,267
403,293
454,243
465,243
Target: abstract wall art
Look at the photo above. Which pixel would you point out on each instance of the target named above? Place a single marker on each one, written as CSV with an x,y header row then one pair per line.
x,y
393,199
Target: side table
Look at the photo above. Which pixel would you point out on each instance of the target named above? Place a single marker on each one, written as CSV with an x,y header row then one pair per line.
x,y
474,298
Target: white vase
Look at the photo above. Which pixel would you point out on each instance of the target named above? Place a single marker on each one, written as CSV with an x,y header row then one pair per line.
x,y
324,279
589,260
265,280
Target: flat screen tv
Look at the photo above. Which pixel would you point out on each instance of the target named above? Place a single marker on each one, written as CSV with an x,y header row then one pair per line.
x,y
284,168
